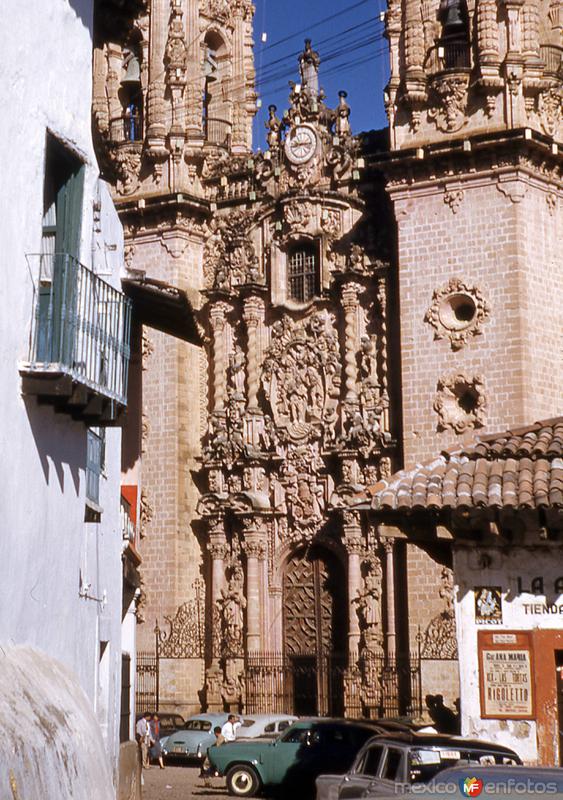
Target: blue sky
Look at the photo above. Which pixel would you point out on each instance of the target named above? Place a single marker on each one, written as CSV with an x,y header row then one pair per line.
x,y
353,57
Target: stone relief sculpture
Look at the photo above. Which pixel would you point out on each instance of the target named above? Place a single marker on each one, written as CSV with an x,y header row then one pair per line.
x,y
232,604
457,312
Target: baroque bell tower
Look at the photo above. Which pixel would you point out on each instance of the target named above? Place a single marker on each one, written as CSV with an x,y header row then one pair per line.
x,y
173,96
475,106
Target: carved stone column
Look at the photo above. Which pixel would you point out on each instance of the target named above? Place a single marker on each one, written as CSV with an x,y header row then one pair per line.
x,y
391,633
254,546
487,32
156,113
218,550
239,79
218,314
353,543
253,315
194,88
350,304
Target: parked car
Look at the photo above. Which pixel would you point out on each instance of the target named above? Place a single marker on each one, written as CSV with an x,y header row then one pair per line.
x,y
169,722
293,760
396,761
191,742
264,725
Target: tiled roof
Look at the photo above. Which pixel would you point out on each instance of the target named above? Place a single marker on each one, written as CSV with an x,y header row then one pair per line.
x,y
522,468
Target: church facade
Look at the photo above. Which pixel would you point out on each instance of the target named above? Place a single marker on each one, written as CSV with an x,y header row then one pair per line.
x,y
364,306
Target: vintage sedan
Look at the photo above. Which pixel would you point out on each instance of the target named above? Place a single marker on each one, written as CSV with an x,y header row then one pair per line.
x,y
293,760
191,742
264,725
394,762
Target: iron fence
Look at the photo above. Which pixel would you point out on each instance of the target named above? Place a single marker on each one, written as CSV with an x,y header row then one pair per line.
x,y
147,684
358,686
81,326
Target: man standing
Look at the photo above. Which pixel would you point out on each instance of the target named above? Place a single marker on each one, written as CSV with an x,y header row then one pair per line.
x,y
230,728
144,738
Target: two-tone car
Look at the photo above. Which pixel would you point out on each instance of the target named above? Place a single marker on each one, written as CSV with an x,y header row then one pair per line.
x,y
292,761
191,742
394,762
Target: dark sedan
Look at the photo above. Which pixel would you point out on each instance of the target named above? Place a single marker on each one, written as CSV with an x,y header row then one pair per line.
x,y
291,763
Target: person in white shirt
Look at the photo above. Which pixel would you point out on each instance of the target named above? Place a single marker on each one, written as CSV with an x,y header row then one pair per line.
x,y
230,728
143,731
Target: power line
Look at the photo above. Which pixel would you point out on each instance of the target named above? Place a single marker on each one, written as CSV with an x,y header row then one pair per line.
x,y
317,24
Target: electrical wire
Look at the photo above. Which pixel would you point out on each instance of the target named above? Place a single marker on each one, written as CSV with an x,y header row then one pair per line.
x,y
317,24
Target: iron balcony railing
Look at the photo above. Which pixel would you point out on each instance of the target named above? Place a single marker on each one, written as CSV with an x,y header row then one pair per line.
x,y
217,131
127,128
448,55
81,327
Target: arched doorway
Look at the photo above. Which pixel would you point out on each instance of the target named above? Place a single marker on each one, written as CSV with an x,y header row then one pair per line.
x,y
314,631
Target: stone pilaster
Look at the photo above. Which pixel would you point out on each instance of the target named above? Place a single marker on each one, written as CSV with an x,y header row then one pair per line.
x,y
350,304
156,109
391,627
255,547
218,315
253,315
354,545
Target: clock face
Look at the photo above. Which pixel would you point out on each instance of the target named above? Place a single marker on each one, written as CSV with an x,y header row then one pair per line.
x,y
300,144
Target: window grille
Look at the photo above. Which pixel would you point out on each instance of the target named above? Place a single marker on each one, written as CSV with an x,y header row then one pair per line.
x,y
302,274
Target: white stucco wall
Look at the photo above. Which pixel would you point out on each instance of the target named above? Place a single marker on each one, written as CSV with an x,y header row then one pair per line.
x,y
502,567
46,547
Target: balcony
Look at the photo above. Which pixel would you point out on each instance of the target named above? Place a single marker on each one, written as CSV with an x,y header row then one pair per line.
x,y
447,55
552,57
79,344
127,128
217,131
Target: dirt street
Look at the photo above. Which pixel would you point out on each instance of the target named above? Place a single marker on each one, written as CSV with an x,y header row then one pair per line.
x,y
180,783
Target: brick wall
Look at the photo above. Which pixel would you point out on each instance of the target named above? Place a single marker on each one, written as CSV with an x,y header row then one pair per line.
x,y
507,247
172,396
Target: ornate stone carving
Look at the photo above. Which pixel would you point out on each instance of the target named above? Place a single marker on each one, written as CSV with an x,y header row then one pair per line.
x,y
368,604
147,349
331,222
176,52
453,198
303,492
550,110
450,97
457,312
440,640
233,259
145,513
127,161
145,431
460,402
297,216
551,200
300,375
232,604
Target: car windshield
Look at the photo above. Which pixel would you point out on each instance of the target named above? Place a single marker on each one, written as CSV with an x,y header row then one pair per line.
x,y
295,734
197,725
426,764
247,723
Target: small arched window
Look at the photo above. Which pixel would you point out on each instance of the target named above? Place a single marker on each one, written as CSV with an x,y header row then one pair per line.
x,y
302,275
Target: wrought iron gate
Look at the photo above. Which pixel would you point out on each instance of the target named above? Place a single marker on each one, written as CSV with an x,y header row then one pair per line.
x,y
147,688
184,639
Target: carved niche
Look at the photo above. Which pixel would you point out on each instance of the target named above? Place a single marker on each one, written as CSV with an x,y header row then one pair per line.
x,y
301,376
457,312
230,257
460,403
